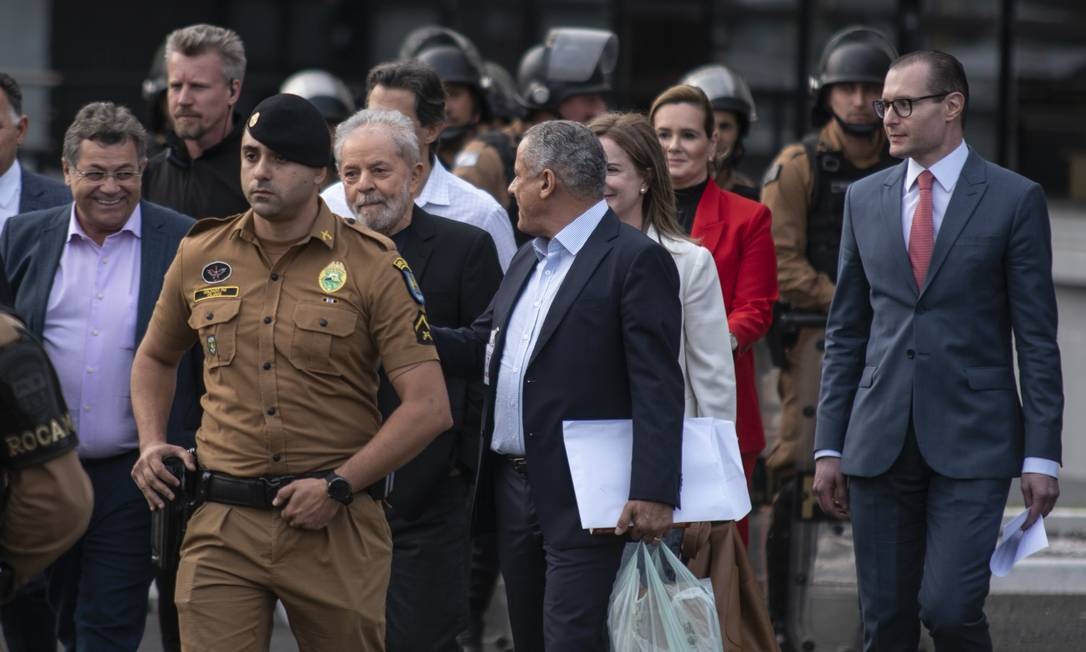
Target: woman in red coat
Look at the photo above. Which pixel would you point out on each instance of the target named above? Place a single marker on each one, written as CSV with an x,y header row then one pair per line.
x,y
737,231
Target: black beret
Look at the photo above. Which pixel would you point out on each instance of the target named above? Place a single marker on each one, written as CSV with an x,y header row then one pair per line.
x,y
293,128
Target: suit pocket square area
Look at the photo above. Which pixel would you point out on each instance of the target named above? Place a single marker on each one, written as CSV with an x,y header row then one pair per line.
x,y
985,378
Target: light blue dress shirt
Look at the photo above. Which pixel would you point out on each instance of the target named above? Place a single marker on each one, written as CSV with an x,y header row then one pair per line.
x,y
555,257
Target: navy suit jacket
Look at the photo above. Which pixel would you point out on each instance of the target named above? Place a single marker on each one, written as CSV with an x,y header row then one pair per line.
x,y
31,247
41,192
942,355
607,349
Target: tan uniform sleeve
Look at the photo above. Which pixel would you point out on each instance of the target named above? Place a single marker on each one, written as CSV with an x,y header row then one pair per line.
x,y
397,321
169,326
786,190
48,509
480,165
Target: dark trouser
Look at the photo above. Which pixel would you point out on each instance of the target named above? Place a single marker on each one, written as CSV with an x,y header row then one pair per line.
x,y
99,587
28,620
922,543
557,596
427,593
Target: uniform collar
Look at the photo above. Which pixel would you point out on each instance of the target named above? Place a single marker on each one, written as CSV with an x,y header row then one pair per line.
x,y
833,138
323,230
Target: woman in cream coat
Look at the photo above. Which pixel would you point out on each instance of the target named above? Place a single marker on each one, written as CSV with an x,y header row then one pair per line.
x,y
638,190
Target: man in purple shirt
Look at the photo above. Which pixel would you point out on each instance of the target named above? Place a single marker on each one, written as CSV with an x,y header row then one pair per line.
x,y
85,277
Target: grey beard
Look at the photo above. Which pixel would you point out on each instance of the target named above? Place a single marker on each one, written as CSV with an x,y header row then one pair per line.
x,y
386,217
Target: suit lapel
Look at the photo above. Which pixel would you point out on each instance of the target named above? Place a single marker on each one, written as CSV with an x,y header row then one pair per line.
x,y
50,248
593,252
967,193
420,244
708,227
153,265
520,268
30,193
892,190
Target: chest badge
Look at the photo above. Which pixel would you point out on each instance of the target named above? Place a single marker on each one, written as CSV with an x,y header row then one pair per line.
x,y
333,277
216,272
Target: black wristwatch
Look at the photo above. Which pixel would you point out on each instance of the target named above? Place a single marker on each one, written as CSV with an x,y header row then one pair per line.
x,y
339,489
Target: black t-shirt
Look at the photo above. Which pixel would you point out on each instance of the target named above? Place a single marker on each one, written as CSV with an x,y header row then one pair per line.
x,y
209,186
686,204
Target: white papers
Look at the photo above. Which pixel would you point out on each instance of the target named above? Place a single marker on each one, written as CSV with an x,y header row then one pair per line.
x,y
714,487
1016,544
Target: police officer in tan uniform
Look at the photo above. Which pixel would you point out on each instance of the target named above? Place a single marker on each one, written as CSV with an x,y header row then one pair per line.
x,y
805,190
295,309
48,498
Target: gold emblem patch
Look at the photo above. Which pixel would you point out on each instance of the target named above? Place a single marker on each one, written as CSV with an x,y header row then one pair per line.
x,y
227,291
254,119
333,277
422,329
325,235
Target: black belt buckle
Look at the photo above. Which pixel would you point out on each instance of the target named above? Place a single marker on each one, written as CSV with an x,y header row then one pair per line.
x,y
272,485
520,464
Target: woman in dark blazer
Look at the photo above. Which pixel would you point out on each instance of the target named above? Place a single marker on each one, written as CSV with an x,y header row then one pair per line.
x,y
737,232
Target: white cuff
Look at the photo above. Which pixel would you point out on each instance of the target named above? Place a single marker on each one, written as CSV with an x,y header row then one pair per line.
x,y
1041,465
827,452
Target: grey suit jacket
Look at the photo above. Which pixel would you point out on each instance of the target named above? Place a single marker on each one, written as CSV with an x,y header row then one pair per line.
x,y
942,355
41,192
30,248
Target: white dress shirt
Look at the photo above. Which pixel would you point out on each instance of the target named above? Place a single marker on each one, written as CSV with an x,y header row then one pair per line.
x,y
447,195
946,171
11,187
555,257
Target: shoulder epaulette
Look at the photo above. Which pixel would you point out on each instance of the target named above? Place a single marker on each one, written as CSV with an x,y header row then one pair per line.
x,y
210,223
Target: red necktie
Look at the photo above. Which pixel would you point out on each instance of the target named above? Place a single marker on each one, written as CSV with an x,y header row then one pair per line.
x,y
922,233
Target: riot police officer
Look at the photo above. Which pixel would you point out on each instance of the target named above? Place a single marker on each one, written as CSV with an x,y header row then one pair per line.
x,y
49,500
805,189
568,75
734,113
462,72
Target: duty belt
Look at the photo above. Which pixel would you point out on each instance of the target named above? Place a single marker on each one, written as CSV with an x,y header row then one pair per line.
x,y
260,492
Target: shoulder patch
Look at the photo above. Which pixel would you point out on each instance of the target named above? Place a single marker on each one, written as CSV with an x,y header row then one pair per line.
x,y
772,174
409,280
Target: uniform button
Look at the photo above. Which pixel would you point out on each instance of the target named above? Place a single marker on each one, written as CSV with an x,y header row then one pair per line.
x,y
910,354
209,316
267,320
820,345
808,411
276,457
351,220
323,322
267,365
274,276
271,412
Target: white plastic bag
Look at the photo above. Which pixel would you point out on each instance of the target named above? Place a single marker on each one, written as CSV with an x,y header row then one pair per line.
x,y
657,605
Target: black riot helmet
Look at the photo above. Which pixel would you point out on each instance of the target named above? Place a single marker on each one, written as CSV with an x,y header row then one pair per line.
x,y
456,60
855,54
571,61
502,97
727,91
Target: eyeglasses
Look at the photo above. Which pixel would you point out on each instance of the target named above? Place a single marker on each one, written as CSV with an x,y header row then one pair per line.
x,y
903,106
98,176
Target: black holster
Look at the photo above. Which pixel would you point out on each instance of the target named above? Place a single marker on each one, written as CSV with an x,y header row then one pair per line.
x,y
168,524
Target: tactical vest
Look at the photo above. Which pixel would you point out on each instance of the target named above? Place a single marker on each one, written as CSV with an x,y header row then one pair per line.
x,y
831,175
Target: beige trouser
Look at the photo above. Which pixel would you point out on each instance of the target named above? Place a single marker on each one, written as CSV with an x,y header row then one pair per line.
x,y
798,386
236,561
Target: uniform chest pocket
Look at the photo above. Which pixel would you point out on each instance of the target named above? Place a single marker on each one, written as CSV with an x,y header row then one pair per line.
x,y
217,324
319,338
